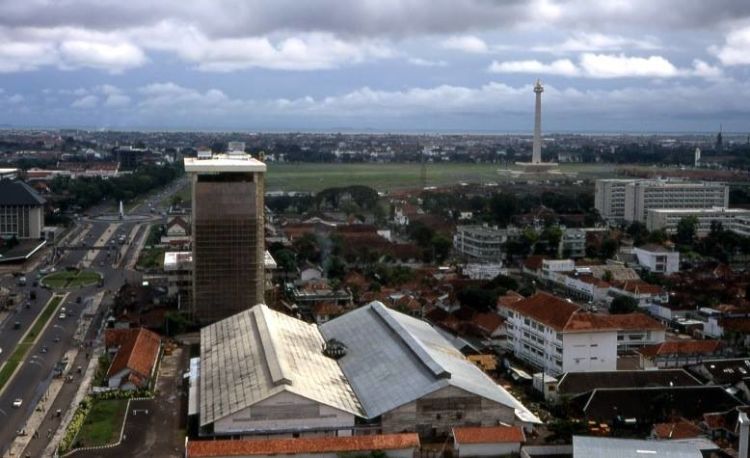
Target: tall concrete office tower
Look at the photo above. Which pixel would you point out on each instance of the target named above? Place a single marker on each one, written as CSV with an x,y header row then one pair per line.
x,y
536,151
228,242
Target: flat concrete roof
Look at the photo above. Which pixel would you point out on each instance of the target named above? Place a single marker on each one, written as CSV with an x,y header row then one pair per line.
x,y
224,163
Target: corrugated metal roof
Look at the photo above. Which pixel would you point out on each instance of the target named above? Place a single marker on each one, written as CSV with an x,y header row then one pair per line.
x,y
393,359
597,447
18,193
258,353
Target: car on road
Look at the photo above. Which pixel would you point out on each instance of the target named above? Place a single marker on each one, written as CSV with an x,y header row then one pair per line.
x,y
44,349
61,316
17,403
17,325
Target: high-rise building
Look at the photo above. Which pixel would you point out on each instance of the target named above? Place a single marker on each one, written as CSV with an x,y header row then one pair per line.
x,y
630,200
227,226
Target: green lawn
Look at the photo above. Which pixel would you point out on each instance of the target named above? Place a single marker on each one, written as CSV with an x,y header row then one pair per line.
x,y
23,347
151,257
103,423
71,279
383,177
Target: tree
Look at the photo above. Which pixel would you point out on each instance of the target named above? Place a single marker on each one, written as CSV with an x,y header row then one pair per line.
x,y
421,234
335,268
442,246
686,229
658,237
478,298
609,248
623,304
503,207
286,260
638,231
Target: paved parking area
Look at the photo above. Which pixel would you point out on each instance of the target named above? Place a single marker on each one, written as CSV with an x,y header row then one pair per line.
x,y
155,427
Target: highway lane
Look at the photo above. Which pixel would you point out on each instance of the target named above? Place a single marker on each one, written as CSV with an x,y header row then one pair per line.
x,y
35,374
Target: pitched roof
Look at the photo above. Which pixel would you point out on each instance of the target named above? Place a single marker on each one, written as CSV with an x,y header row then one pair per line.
x,y
547,309
681,347
509,297
681,429
304,445
487,322
259,353
138,351
575,383
639,287
393,359
534,262
585,321
19,193
488,435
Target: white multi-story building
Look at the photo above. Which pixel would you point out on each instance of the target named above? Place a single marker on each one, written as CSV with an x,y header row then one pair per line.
x,y
482,243
630,200
668,218
658,259
559,336
740,225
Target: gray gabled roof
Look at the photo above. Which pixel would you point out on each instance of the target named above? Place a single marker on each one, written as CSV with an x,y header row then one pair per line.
x,y
393,359
259,353
597,447
18,193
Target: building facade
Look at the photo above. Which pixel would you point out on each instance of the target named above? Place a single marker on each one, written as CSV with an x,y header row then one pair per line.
x,y
621,200
558,336
657,259
227,227
21,211
668,219
481,243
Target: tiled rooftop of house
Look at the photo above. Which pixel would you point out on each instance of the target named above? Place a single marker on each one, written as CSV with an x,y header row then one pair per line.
x,y
488,435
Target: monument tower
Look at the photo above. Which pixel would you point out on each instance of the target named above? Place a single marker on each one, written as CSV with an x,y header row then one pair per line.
x,y
536,165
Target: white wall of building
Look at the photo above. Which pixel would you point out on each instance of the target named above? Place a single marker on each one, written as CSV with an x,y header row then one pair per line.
x,y
305,414
665,262
590,351
468,450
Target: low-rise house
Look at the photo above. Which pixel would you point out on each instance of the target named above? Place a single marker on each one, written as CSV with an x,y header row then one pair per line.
x,y
393,445
325,311
642,292
573,384
136,353
678,353
487,441
658,259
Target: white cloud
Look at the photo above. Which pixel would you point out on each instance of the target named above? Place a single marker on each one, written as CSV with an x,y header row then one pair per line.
x,y
604,66
16,99
465,43
87,101
736,48
562,67
117,101
585,41
419,62
113,58
621,66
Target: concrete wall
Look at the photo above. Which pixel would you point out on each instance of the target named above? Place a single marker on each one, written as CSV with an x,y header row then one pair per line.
x,y
283,412
443,409
590,351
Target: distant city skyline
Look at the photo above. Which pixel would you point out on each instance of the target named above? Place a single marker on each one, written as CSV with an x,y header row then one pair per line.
x,y
371,66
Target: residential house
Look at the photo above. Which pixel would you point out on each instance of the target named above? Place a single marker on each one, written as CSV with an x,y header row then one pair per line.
x,y
658,259
678,353
487,441
135,357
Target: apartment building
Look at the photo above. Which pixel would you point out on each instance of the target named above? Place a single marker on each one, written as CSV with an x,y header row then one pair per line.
x,y
621,200
668,218
482,243
21,211
559,336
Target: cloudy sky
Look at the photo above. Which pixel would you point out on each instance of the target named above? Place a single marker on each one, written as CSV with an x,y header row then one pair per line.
x,y
386,65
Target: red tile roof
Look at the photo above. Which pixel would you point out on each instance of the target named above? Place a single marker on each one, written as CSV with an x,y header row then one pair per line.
x,y
488,435
639,287
384,442
509,298
682,347
487,322
682,429
547,309
584,321
138,352
534,262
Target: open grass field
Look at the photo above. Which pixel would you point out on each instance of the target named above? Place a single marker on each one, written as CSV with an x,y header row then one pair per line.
x,y
71,279
314,177
103,423
23,347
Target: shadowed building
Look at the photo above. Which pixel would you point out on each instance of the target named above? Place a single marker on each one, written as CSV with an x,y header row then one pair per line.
x,y
227,227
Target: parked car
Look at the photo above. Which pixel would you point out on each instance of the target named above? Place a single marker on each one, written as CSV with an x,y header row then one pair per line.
x,y
17,403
